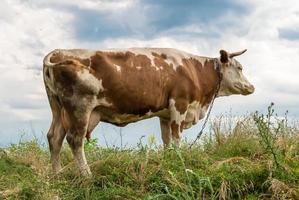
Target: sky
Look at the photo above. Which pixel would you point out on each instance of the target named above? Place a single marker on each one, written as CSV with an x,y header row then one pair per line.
x,y
29,29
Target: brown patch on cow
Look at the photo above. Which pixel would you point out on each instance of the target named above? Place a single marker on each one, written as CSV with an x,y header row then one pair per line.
x,y
133,91
210,80
88,135
196,81
161,64
47,73
183,124
64,78
162,55
188,84
181,105
159,61
58,57
100,95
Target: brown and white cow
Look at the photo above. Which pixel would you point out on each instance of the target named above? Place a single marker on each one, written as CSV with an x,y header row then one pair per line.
x,y
120,86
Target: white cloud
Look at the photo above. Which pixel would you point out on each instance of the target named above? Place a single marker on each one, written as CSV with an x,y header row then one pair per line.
x,y
30,29
271,61
99,5
27,34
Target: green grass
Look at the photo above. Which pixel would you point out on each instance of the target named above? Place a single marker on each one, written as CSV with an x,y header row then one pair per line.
x,y
252,160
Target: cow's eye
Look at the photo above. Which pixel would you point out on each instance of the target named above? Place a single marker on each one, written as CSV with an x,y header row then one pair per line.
x,y
240,68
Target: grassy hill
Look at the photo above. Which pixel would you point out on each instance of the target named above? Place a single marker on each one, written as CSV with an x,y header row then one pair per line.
x,y
257,158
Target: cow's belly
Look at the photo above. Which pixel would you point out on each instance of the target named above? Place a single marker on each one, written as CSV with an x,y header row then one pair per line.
x,y
122,119
195,112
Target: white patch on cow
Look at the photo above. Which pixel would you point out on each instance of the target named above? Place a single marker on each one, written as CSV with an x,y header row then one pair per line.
x,y
101,86
149,113
138,67
175,115
90,81
118,68
104,102
201,59
195,112
82,104
144,51
79,53
81,161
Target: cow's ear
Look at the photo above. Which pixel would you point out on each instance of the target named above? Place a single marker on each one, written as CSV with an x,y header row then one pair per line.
x,y
223,56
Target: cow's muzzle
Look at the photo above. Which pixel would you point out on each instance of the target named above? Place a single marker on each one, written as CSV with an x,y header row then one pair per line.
x,y
248,89
244,89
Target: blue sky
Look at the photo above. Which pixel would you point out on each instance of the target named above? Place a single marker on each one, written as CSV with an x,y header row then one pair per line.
x,y
32,28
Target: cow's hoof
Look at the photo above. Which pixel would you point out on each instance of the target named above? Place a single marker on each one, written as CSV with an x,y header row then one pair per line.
x,y
86,172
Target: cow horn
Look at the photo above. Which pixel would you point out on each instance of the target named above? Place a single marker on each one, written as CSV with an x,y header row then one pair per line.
x,y
237,53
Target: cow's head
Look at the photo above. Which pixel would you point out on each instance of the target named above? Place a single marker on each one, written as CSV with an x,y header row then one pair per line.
x,y
233,80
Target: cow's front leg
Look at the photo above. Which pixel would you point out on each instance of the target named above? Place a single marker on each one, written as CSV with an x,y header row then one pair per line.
x,y
178,111
165,131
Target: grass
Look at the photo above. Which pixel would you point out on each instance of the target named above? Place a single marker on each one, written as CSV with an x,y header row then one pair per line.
x,y
257,158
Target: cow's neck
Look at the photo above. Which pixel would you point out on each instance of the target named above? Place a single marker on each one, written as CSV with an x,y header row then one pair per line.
x,y
210,80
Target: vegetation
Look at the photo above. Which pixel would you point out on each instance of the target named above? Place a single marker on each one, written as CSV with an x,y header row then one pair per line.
x,y
256,157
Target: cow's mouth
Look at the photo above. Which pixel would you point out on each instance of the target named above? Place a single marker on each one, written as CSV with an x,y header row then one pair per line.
x,y
244,90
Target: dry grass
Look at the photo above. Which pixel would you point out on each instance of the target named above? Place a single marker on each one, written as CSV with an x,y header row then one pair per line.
x,y
281,190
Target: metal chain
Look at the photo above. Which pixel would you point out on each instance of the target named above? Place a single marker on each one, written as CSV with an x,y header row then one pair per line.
x,y
210,107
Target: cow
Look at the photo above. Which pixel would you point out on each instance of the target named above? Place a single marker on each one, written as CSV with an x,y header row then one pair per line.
x,y
121,86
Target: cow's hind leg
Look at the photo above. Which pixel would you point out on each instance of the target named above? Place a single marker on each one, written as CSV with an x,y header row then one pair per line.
x,y
75,138
55,136
56,133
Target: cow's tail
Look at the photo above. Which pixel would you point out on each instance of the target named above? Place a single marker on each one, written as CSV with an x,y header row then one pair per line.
x,y
53,96
48,72
47,60
48,75
51,90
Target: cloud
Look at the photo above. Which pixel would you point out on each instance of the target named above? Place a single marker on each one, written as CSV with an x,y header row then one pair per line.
x,y
269,30
27,34
99,20
289,34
